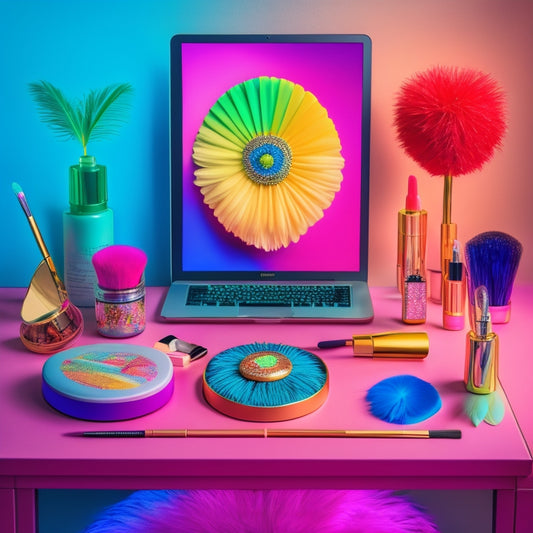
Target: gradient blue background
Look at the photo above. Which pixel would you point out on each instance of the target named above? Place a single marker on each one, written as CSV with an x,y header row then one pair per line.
x,y
82,45
79,46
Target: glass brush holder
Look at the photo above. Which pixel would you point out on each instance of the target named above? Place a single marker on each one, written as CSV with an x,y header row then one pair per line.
x,y
120,312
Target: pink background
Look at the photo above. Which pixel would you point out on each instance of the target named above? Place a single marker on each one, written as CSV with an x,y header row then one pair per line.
x,y
494,36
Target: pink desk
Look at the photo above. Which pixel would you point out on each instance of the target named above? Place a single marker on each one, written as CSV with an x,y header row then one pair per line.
x,y
35,451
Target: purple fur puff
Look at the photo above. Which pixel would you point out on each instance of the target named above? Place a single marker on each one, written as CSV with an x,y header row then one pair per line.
x,y
263,511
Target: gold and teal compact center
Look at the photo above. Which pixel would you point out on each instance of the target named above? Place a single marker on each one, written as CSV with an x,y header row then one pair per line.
x,y
266,382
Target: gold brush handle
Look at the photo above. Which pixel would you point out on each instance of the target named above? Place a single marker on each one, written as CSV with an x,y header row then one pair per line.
x,y
354,433
265,432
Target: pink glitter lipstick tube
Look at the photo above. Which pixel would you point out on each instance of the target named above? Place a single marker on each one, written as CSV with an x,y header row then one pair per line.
x,y
414,300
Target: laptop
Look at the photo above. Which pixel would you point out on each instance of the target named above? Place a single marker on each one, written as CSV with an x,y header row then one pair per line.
x,y
270,143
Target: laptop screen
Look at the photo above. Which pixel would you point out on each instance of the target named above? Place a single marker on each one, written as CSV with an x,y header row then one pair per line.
x,y
269,156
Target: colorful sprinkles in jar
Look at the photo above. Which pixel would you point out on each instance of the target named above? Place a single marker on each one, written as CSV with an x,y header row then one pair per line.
x,y
120,313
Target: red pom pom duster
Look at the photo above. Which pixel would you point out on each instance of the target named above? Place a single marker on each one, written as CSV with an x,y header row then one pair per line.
x,y
450,121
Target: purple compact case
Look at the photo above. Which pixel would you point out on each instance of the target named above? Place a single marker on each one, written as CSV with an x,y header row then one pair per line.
x,y
108,381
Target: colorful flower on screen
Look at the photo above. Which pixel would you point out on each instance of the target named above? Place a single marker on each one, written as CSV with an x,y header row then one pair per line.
x,y
269,161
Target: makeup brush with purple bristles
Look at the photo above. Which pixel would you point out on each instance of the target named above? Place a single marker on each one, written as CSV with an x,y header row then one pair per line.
x,y
492,260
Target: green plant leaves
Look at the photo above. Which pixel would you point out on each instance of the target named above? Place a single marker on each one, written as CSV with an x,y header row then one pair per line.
x,y
105,110
56,110
97,115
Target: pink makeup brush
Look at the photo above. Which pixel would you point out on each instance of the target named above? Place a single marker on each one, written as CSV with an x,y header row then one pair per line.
x,y
120,292
119,267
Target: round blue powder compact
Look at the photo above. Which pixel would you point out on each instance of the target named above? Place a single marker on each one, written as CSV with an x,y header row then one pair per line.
x,y
108,381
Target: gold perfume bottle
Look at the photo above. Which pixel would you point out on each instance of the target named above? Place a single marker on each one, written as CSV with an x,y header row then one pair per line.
x,y
481,362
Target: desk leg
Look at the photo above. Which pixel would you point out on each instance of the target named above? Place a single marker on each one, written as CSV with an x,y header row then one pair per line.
x,y
505,511
25,511
7,505
524,510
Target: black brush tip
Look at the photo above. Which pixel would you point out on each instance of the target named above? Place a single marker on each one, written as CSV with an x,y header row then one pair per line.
x,y
444,433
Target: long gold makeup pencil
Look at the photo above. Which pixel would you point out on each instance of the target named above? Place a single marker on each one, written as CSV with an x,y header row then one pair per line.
x,y
19,193
268,433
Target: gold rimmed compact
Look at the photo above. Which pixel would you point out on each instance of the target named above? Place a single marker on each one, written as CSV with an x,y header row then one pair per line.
x,y
265,382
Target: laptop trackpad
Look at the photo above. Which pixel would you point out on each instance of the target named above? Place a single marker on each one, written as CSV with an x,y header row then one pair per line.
x,y
265,312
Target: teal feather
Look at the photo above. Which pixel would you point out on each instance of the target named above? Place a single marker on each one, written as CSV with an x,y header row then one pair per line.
x,y
485,407
403,399
477,407
496,410
308,376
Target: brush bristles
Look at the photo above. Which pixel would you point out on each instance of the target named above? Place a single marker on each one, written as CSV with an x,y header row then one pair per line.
x,y
308,376
492,259
119,267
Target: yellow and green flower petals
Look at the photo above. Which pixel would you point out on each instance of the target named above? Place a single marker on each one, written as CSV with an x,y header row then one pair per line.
x,y
268,161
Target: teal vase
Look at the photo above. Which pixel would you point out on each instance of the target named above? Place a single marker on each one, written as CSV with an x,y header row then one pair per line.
x,y
87,228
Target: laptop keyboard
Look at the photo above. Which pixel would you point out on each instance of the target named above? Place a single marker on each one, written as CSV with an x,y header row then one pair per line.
x,y
254,294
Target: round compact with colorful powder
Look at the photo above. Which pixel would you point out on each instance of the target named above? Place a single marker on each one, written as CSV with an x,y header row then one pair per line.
x,y
108,381
265,382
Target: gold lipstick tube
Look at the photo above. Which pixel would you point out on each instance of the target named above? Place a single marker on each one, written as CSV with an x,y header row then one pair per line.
x,y
412,238
392,344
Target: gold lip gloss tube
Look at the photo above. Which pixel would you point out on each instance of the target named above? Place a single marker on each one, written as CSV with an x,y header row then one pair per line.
x,y
453,309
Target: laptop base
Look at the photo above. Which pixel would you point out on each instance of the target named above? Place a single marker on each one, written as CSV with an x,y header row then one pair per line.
x,y
175,309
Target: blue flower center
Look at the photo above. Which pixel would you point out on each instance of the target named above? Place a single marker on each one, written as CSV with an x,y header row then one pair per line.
x,y
267,159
